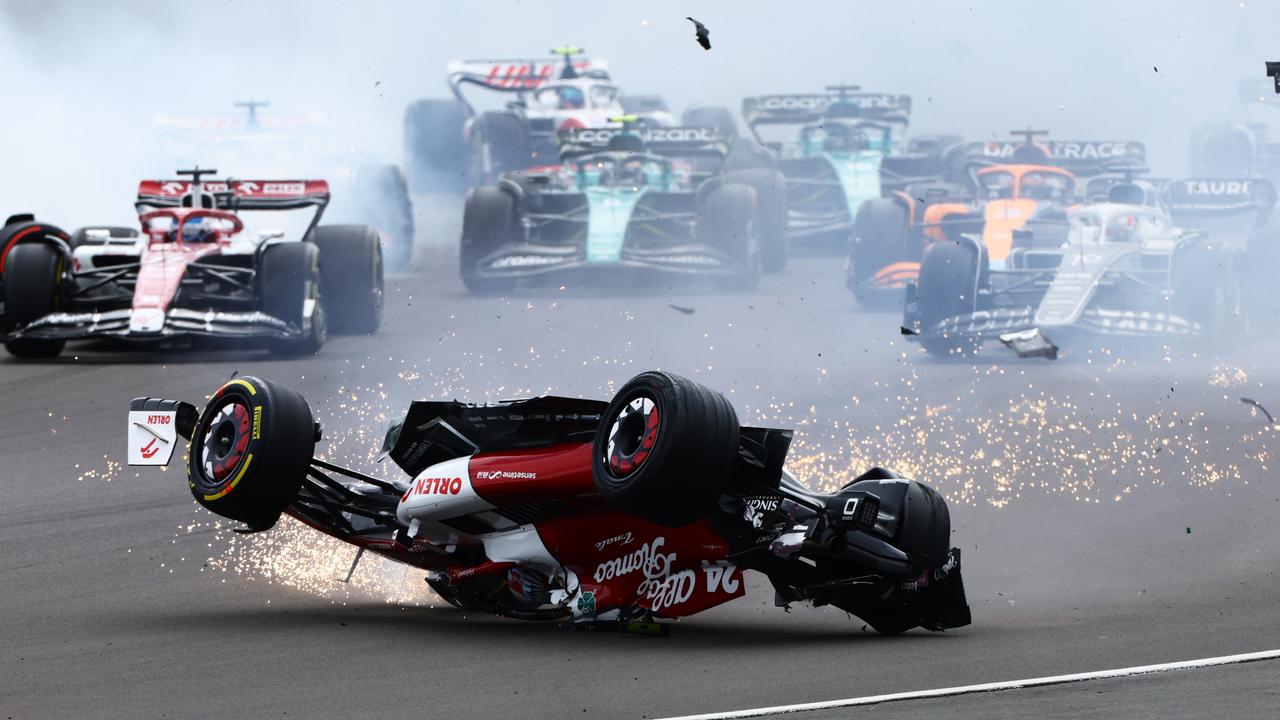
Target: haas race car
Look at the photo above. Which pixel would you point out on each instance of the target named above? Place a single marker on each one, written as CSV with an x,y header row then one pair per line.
x,y
195,268
627,198
651,505
452,145
1125,267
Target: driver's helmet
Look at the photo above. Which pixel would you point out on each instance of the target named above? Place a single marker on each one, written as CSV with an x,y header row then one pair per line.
x,y
632,173
627,141
195,230
843,138
1120,229
571,98
1036,187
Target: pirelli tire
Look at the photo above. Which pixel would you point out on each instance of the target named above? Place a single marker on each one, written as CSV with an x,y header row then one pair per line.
x,y
1203,278
291,288
250,451
665,449
436,151
499,143
488,223
382,197
729,222
771,215
950,275
879,239
33,287
354,282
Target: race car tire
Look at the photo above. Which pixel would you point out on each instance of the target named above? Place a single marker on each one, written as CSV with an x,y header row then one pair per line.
x,y
288,278
1262,265
80,236
382,196
1220,149
499,144
354,286
250,451
436,150
728,222
34,274
879,239
1202,278
771,214
950,273
665,449
488,223
717,117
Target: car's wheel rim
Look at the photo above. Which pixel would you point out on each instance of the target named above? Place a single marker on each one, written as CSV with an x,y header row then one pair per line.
x,y
225,440
632,436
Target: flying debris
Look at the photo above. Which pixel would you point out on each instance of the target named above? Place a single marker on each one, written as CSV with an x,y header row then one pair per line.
x,y
1273,72
683,309
1258,405
704,37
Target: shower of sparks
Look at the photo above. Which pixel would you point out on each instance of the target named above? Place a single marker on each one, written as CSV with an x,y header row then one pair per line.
x,y
1085,445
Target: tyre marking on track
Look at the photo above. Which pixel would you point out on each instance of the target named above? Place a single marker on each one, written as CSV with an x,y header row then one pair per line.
x,y
989,687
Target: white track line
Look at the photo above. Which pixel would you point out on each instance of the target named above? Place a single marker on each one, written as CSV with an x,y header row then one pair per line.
x,y
988,687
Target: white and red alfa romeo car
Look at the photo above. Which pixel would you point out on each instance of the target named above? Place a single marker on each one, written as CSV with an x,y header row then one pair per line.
x,y
551,508
212,258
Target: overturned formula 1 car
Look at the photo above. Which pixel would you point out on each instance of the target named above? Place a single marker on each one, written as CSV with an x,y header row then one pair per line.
x,y
648,506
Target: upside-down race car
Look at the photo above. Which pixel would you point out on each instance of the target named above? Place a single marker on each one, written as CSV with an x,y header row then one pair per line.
x,y
195,269
625,198
648,506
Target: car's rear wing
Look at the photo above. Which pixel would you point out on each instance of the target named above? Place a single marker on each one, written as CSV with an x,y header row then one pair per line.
x,y
1192,201
237,194
807,108
1081,157
669,141
519,75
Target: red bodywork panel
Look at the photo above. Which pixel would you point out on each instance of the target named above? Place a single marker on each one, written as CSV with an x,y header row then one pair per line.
x,y
257,189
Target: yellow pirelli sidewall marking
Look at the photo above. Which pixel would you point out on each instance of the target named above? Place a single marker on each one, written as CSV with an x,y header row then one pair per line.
x,y
238,381
232,485
257,422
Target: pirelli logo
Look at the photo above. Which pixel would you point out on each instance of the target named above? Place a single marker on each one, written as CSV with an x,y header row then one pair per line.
x,y
257,422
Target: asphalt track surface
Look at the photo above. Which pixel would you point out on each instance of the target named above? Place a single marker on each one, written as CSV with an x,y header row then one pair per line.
x,y
1112,512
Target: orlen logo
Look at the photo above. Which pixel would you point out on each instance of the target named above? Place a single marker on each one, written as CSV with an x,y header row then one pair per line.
x,y
434,486
159,419
284,188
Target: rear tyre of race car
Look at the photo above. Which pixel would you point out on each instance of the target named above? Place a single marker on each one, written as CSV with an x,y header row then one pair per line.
x,y
499,143
718,118
354,287
771,214
665,449
250,451
879,239
729,222
1203,280
289,282
34,273
488,223
1220,149
436,150
382,198
949,277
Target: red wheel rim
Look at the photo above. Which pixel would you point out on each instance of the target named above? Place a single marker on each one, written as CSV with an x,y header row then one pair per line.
x,y
223,445
632,437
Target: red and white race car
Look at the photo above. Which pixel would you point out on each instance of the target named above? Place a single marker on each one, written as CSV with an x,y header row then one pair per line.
x,y
648,506
452,145
213,258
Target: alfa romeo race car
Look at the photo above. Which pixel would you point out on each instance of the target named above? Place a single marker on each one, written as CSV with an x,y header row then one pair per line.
x,y
632,198
649,506
849,146
263,144
1121,268
451,145
197,268
1005,184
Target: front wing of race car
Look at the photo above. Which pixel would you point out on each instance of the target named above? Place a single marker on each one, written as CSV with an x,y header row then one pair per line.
x,y
148,325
